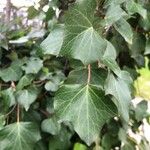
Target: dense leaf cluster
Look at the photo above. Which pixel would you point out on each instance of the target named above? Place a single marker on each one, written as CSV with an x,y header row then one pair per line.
x,y
68,84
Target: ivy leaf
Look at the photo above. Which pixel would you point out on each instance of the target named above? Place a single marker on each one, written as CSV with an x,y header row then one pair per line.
x,y
51,126
19,136
12,73
8,96
113,14
109,57
141,110
53,43
86,107
54,82
26,97
60,141
82,41
138,45
133,7
24,81
33,65
119,88
123,27
51,86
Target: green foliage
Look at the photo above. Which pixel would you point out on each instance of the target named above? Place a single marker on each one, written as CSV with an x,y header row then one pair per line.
x,y
24,135
66,82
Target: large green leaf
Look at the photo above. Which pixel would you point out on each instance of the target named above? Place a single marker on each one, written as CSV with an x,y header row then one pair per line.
x,y
86,107
82,41
123,27
19,136
119,88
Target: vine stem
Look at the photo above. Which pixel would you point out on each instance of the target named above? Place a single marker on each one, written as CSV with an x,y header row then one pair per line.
x,y
18,113
97,141
10,111
89,74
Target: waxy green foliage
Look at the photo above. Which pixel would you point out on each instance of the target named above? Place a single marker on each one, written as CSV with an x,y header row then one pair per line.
x,y
72,87
86,107
19,136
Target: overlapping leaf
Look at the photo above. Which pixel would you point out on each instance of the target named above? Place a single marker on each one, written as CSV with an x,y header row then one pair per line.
x,y
86,107
119,88
53,43
33,65
133,7
13,72
123,27
113,14
26,97
8,96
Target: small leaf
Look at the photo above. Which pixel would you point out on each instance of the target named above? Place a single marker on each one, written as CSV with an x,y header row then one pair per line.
x,y
19,136
119,88
26,97
110,51
51,126
109,57
32,12
51,86
113,14
12,73
86,107
123,27
24,81
133,7
53,43
138,45
8,95
33,65
141,110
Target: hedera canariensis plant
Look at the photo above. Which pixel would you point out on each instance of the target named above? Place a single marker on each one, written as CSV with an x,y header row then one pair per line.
x,y
69,84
